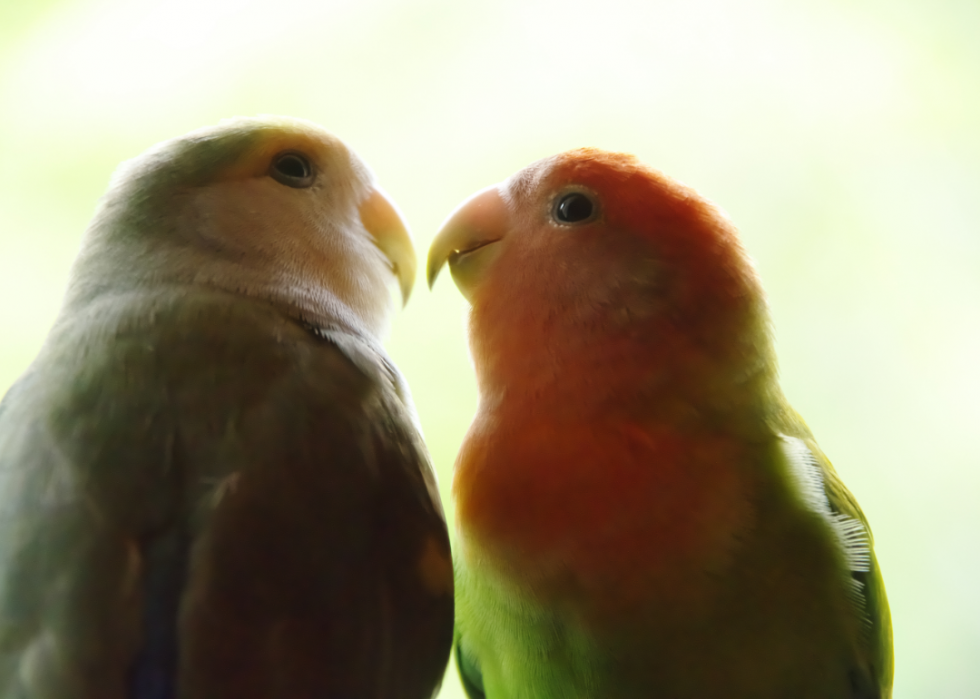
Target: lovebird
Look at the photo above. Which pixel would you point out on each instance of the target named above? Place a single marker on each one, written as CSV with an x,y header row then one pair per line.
x,y
212,480
639,512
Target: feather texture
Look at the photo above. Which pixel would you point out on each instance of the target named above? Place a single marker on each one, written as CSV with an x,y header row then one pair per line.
x,y
639,511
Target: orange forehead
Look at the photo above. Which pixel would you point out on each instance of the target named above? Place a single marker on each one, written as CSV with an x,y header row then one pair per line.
x,y
644,201
631,192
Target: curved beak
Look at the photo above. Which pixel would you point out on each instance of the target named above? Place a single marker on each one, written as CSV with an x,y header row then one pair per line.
x,y
390,234
466,240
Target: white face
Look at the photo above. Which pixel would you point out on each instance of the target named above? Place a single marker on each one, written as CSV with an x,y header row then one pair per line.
x,y
273,210
303,241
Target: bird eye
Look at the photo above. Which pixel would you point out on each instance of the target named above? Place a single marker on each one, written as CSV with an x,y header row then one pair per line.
x,y
573,207
292,169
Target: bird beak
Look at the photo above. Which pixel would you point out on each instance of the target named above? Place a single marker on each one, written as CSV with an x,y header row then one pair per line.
x,y
390,234
467,239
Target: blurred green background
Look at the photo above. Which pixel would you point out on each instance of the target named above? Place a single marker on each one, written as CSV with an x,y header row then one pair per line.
x,y
842,137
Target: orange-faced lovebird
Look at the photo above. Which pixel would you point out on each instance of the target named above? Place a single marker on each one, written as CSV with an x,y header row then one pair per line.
x,y
212,485
640,513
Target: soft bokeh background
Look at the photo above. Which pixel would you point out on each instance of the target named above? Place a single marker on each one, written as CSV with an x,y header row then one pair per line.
x,y
843,137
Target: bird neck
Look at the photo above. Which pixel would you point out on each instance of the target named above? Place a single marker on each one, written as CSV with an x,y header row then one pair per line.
x,y
592,514
584,430
658,372
112,263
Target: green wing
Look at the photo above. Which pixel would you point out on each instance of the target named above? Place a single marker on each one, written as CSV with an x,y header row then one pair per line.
x,y
469,672
871,675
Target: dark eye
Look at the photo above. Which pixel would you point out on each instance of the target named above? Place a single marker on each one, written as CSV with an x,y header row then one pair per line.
x,y
573,208
292,169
